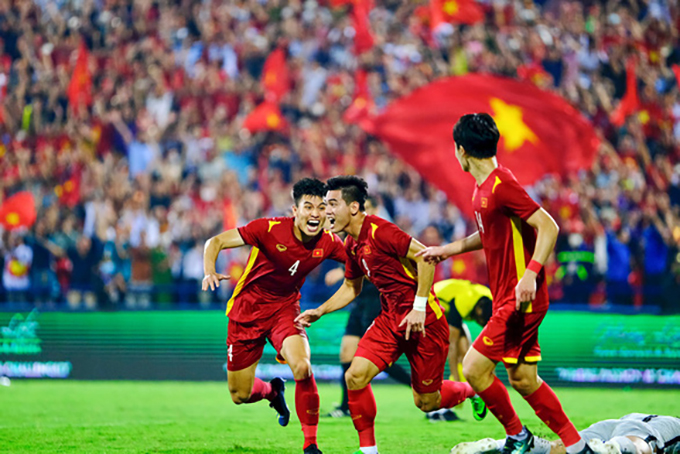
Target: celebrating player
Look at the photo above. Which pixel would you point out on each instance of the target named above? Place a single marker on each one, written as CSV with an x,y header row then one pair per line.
x,y
411,320
265,302
513,229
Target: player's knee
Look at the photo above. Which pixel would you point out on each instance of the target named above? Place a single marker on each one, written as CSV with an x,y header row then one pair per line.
x,y
301,369
471,373
426,404
354,380
239,396
523,385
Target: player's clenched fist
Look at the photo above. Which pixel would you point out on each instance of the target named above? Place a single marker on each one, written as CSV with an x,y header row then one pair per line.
x,y
525,291
415,322
308,317
212,280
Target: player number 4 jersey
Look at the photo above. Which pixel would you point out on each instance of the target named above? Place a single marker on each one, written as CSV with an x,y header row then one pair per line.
x,y
501,208
277,267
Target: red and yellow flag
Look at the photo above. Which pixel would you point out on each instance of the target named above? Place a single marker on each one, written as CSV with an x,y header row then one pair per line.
x,y
362,105
455,12
541,133
265,117
275,76
79,89
363,39
18,211
630,102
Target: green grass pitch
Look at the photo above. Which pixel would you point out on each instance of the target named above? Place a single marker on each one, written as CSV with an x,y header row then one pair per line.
x,y
172,417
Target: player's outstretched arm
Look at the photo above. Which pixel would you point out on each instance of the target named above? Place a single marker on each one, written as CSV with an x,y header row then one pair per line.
x,y
436,254
349,290
546,237
225,240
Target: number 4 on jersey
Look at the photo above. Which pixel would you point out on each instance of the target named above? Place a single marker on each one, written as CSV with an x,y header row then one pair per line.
x,y
293,269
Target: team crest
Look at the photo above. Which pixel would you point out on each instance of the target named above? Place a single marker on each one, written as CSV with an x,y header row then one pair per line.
x,y
317,253
485,202
367,250
281,248
487,341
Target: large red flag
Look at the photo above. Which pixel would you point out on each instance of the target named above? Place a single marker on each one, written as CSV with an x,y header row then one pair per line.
x,y
79,89
265,117
18,211
275,76
363,39
676,71
362,104
630,102
541,133
455,12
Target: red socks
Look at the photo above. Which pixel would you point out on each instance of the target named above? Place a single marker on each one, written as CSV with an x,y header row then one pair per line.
x,y
261,390
363,410
547,407
454,392
307,408
497,401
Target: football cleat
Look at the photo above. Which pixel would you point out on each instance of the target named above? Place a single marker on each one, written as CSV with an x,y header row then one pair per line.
x,y
312,449
337,413
478,408
485,446
279,402
598,447
445,414
515,446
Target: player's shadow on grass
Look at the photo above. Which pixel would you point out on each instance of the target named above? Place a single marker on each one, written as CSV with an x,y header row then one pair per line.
x,y
226,450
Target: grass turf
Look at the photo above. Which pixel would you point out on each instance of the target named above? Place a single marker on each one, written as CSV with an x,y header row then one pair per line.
x,y
172,417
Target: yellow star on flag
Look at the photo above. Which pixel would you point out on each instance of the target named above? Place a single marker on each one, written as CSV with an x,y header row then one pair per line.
x,y
511,125
270,77
458,267
451,7
360,102
273,120
644,117
12,219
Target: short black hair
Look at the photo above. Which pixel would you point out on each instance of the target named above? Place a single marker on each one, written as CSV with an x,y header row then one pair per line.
x,y
478,134
308,186
354,189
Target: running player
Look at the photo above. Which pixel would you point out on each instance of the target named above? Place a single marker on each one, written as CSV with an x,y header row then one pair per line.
x,y
513,230
266,301
411,320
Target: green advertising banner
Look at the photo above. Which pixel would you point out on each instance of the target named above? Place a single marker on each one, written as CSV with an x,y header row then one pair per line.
x,y
577,348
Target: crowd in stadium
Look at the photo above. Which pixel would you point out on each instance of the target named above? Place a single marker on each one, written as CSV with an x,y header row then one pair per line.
x,y
132,181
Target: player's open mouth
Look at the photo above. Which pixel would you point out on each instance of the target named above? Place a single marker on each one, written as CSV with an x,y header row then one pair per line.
x,y
313,225
331,221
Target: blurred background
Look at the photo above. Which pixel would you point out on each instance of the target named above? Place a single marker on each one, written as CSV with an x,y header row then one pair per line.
x,y
131,132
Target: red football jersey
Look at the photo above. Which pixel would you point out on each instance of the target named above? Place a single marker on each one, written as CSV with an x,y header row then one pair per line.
x,y
501,208
277,267
380,254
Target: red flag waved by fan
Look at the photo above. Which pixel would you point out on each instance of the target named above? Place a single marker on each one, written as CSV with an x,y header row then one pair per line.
x,y
455,12
676,71
541,133
79,89
18,211
362,104
265,117
630,102
363,39
275,76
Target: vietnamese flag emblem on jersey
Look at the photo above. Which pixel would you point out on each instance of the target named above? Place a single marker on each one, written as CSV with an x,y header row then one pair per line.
x,y
317,253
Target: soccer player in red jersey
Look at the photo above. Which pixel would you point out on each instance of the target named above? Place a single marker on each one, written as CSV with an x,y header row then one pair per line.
x,y
517,236
265,302
411,321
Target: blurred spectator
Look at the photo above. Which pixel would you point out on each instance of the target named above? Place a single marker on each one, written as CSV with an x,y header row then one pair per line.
x,y
16,275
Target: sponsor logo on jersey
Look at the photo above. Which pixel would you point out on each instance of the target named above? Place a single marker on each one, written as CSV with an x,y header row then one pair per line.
x,y
427,382
281,248
317,253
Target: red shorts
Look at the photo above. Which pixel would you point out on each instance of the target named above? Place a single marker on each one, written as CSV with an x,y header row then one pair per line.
x,y
426,355
511,336
245,341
